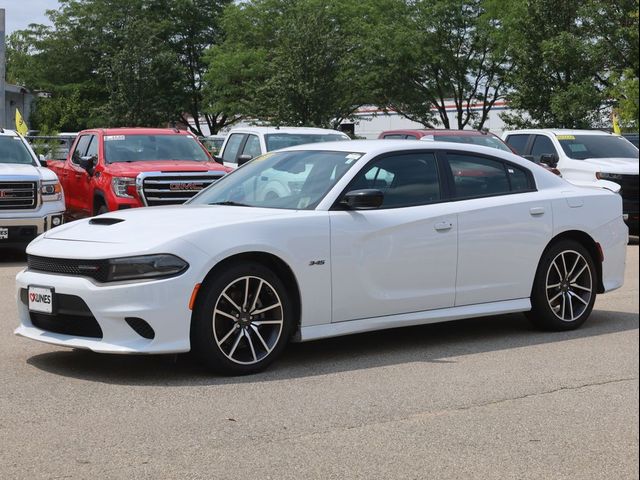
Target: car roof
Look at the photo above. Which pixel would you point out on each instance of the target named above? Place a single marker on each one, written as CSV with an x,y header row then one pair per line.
x,y
557,131
436,132
138,131
302,130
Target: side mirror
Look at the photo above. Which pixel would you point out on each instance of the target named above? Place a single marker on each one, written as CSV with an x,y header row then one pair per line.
x,y
42,160
88,163
242,159
365,199
216,158
550,159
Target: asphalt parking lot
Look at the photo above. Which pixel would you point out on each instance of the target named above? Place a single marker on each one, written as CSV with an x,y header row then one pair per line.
x,y
484,398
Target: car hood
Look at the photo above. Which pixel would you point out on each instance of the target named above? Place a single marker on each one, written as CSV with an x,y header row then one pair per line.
x,y
627,166
153,226
19,170
133,168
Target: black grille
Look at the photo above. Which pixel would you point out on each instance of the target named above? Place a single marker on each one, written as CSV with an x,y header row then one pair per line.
x,y
629,191
97,269
18,195
72,316
175,189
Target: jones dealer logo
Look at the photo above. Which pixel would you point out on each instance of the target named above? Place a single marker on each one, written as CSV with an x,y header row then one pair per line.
x,y
40,298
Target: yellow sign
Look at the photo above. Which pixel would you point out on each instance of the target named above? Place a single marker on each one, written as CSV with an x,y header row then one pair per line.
x,y
21,126
616,125
565,137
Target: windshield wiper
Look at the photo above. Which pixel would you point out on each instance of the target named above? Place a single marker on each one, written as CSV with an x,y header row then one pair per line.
x,y
230,203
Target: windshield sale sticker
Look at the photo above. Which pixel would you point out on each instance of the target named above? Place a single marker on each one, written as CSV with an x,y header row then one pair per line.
x,y
565,137
113,137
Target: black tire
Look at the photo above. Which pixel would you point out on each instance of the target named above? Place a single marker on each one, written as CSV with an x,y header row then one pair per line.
x,y
239,342
554,297
102,209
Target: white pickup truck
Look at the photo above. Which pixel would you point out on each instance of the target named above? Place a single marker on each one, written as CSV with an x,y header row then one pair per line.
x,y
586,158
31,198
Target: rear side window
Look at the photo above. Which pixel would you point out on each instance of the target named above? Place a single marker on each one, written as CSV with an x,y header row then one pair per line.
x,y
483,177
231,149
518,142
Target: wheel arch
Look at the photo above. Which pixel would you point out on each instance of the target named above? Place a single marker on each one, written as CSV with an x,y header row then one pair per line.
x,y
99,198
587,242
269,260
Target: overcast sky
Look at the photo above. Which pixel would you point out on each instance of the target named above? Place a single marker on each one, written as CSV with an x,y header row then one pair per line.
x,y
20,13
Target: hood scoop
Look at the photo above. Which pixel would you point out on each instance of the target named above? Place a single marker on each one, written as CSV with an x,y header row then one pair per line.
x,y
105,221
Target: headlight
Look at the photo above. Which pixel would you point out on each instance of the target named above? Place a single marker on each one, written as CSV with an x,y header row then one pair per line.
x,y
608,176
123,186
51,191
145,266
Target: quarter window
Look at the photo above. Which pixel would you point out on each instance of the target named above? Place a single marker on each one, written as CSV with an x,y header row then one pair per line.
x,y
406,180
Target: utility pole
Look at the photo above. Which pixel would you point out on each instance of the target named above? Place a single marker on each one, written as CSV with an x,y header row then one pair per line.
x,y
3,70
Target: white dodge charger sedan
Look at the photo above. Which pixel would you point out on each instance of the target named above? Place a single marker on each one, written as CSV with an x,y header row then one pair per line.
x,y
376,235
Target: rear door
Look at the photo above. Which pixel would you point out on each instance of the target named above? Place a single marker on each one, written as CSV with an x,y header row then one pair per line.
x,y
504,224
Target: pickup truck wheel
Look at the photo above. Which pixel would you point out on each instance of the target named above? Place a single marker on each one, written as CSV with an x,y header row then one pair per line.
x,y
102,209
564,289
243,320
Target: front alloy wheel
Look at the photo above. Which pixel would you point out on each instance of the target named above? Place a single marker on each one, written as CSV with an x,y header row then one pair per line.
x,y
564,289
242,320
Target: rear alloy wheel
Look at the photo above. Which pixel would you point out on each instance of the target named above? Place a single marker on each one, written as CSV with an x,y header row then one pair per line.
x,y
244,321
565,287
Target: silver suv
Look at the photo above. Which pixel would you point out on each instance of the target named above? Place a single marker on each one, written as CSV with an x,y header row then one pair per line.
x,y
31,198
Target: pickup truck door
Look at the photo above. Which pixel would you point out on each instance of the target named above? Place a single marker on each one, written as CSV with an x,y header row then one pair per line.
x,y
75,179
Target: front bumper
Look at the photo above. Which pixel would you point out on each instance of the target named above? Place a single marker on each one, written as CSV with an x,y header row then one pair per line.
x,y
24,229
162,304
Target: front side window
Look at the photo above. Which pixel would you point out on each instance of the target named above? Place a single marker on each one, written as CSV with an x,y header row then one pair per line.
x,y
140,148
405,180
252,146
542,145
296,180
580,147
477,176
276,141
92,150
12,150
518,142
230,152
81,148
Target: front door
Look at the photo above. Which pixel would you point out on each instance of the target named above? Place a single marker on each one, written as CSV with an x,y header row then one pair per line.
x,y
401,257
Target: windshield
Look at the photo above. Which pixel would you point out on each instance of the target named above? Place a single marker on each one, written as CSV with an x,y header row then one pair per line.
x,y
484,140
140,148
289,180
12,150
580,147
276,141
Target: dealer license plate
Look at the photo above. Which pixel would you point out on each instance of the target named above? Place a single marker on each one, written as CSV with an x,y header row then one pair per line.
x,y
4,233
41,299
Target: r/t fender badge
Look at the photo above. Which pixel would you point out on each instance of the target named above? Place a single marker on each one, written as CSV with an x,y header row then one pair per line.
x,y
316,262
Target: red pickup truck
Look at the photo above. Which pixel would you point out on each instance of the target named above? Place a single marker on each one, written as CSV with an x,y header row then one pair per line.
x,y
118,168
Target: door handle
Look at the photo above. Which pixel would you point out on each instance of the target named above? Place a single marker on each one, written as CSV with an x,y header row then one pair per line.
x,y
536,211
443,226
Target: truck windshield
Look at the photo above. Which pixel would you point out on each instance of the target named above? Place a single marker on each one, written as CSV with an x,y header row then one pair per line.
x,y
276,141
289,180
144,148
580,147
12,150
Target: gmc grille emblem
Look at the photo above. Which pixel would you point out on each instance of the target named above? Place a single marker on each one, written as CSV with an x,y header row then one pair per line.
x,y
6,194
186,186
